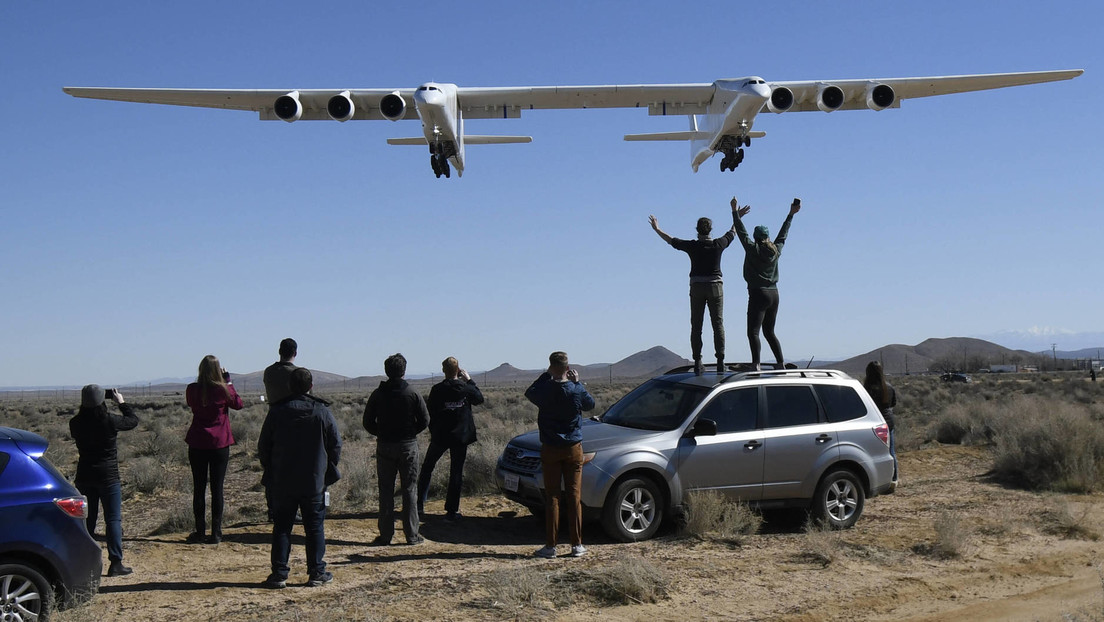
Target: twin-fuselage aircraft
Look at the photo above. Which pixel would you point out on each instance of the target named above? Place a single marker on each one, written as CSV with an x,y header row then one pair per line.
x,y
721,113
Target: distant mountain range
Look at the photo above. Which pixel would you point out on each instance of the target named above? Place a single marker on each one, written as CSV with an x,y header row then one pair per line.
x,y
896,358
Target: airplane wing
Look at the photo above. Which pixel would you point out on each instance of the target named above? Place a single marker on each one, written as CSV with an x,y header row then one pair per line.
x,y
806,91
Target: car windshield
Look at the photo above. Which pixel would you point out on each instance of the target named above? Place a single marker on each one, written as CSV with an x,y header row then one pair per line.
x,y
655,405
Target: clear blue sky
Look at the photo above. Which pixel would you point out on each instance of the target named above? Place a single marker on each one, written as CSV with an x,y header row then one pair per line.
x,y
138,238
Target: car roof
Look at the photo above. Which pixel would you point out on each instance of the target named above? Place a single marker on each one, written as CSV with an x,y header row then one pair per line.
x,y
686,375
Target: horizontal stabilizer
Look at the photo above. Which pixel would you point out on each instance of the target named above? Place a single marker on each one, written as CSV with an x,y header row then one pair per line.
x,y
475,139
690,135
419,140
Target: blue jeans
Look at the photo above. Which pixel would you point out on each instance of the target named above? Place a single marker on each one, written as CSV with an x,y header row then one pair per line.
x,y
398,459
313,509
110,494
458,453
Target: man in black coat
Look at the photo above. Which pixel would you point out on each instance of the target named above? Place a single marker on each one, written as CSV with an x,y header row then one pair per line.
x,y
299,448
451,429
395,414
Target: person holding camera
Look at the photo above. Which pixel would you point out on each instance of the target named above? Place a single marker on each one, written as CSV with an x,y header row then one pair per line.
x,y
95,430
209,438
561,399
451,429
761,273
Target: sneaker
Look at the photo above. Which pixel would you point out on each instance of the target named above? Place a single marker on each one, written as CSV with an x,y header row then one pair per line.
x,y
381,541
547,552
194,538
274,582
453,517
322,579
578,550
416,540
117,569
720,366
699,369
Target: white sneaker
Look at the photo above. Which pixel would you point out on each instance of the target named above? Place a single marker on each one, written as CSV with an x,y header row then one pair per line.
x,y
578,550
547,552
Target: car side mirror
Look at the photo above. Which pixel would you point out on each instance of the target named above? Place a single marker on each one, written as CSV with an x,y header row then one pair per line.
x,y
703,427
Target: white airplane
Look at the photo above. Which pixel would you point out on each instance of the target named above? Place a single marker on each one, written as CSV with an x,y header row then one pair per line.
x,y
721,113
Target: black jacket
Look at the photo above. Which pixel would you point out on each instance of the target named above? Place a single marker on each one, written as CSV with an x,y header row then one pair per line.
x,y
395,412
95,430
299,447
450,413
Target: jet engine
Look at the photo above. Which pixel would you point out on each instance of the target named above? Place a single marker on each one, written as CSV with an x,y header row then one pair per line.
x,y
341,107
829,97
880,96
393,106
288,108
781,100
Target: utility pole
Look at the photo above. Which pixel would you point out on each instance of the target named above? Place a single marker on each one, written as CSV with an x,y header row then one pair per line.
x,y
1054,351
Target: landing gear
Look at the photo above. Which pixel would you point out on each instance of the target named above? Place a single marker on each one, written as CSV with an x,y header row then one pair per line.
x,y
732,159
438,158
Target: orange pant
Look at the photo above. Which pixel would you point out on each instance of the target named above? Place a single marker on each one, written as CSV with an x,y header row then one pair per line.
x,y
562,463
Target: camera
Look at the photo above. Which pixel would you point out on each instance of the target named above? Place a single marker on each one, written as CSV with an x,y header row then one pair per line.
x,y
109,394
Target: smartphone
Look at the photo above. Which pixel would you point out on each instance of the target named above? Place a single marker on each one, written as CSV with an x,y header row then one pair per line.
x,y
109,394
797,202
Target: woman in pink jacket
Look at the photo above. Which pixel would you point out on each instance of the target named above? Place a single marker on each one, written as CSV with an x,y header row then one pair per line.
x,y
210,397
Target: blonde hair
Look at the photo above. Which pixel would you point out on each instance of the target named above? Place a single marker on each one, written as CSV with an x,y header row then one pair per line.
x,y
210,377
450,366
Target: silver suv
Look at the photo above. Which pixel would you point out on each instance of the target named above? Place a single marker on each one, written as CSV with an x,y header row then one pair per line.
x,y
808,438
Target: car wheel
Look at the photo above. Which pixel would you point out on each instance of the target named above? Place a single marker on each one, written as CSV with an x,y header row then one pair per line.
x,y
634,510
839,500
24,593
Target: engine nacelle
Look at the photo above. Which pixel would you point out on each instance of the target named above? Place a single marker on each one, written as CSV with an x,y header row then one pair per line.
x,y
880,96
781,99
288,108
829,97
341,107
393,106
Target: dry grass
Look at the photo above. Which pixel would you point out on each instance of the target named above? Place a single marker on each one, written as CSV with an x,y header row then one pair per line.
x,y
711,514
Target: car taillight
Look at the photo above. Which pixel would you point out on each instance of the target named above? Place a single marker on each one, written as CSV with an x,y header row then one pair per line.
x,y
882,432
77,507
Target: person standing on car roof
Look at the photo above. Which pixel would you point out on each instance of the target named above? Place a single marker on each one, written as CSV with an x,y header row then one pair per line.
x,y
451,429
761,273
561,400
706,284
95,430
885,397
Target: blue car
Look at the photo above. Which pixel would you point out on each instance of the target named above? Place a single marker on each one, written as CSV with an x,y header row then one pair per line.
x,y
47,558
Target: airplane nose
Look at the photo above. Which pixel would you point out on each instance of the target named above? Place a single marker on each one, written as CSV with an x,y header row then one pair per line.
x,y
429,97
762,90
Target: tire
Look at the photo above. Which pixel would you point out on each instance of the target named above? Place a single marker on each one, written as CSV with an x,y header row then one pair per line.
x,y
839,500
25,593
633,511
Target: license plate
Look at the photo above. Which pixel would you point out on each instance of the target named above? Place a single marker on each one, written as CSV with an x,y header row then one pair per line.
x,y
511,482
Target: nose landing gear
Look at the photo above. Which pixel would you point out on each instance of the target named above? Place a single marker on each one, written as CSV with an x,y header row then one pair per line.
x,y
438,159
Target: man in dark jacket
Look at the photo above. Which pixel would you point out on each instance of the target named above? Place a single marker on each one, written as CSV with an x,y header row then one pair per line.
x,y
95,430
277,376
561,400
451,429
395,414
706,284
299,448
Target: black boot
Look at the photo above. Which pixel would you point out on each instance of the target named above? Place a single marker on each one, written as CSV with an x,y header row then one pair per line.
x,y
720,366
699,369
117,569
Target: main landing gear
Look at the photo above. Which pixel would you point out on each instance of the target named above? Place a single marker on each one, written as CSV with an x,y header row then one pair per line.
x,y
733,152
438,159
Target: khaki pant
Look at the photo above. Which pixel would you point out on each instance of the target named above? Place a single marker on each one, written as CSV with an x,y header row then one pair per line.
x,y
562,463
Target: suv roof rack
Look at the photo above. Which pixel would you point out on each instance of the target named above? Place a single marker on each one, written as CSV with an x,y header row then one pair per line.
x,y
743,371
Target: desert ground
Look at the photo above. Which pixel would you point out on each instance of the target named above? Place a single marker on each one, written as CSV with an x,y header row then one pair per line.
x,y
954,542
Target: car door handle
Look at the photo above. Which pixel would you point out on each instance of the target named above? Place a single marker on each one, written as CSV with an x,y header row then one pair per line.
x,y
823,438
752,445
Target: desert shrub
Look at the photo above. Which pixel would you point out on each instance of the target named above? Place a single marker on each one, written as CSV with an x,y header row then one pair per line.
x,y
1050,446
514,588
631,580
176,517
951,536
967,424
821,543
145,475
709,512
357,490
1065,521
